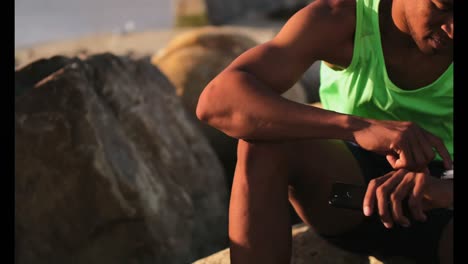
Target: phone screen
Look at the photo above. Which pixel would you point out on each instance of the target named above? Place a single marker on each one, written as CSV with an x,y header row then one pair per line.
x,y
345,195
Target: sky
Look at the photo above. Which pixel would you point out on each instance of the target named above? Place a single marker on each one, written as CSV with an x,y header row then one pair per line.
x,y
42,21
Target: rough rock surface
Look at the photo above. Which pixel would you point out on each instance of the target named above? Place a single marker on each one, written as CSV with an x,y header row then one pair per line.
x,y
109,168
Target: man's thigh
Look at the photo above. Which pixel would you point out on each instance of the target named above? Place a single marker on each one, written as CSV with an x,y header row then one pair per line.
x,y
315,166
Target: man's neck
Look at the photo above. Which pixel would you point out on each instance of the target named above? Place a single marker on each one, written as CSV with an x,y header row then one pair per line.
x,y
393,25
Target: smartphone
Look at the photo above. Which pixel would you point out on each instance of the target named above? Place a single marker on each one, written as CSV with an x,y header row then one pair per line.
x,y
345,195
351,196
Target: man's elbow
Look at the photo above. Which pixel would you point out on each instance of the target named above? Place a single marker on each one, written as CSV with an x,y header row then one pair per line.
x,y
203,110
215,110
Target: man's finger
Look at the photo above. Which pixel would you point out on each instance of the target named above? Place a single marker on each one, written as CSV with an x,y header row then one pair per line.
x,y
415,199
370,196
438,144
383,197
426,148
401,192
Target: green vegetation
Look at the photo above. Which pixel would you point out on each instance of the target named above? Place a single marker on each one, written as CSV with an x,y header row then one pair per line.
x,y
192,21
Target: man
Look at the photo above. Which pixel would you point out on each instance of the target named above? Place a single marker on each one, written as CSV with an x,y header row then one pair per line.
x,y
387,122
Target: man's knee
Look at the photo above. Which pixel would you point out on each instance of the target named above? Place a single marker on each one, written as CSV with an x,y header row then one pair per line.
x,y
263,159
262,150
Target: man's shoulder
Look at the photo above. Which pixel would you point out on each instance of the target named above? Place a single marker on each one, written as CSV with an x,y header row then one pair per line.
x,y
323,30
338,15
341,5
327,27
334,8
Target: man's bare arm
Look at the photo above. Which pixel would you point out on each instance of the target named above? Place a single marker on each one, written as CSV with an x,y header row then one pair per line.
x,y
244,100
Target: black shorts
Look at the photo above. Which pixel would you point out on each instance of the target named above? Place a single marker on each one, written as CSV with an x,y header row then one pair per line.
x,y
418,242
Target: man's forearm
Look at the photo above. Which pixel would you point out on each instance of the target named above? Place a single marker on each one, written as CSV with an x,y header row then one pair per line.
x,y
243,107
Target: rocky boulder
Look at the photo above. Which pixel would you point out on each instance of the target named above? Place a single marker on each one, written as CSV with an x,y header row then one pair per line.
x,y
109,168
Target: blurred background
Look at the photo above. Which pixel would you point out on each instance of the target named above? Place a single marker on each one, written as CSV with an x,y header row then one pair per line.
x,y
43,21
40,21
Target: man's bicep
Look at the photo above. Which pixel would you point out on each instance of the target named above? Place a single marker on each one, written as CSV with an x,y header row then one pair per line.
x,y
304,38
277,67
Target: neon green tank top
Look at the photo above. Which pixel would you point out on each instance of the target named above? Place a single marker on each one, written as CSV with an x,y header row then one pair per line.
x,y
364,89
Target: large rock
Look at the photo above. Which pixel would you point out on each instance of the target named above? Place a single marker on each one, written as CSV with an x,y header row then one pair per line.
x,y
31,74
109,169
191,60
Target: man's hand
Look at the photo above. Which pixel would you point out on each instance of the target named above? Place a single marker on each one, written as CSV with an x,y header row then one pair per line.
x,y
390,190
421,191
405,144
